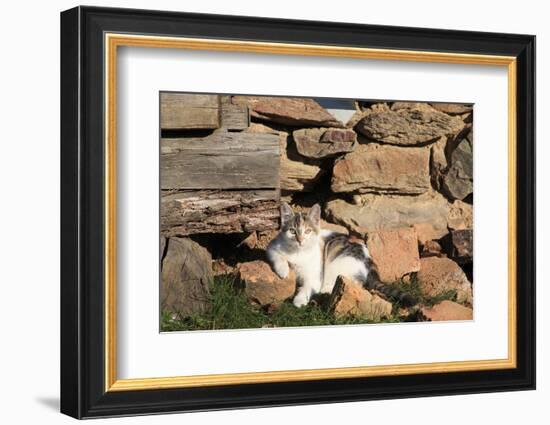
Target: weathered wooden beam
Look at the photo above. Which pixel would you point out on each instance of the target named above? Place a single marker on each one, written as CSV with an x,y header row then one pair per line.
x,y
222,160
214,211
184,111
234,117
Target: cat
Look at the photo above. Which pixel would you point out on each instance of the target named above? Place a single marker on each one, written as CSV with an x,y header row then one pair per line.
x,y
317,256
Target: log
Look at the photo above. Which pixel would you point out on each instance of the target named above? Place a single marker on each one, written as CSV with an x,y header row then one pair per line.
x,y
183,111
214,211
222,160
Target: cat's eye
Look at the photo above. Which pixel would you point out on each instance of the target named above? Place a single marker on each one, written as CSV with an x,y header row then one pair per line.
x,y
308,231
292,231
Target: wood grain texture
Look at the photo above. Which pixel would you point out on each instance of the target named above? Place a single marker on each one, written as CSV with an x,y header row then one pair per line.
x,y
234,117
214,211
181,111
222,160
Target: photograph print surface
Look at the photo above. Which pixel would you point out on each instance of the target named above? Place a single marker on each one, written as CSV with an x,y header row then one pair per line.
x,y
285,212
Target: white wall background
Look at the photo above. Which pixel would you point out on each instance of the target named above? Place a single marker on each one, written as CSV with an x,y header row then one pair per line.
x,y
29,211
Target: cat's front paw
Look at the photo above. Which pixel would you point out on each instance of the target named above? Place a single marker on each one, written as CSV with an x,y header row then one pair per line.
x,y
281,270
300,300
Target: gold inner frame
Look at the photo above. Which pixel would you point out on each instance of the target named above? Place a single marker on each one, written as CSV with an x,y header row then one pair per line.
x,y
113,41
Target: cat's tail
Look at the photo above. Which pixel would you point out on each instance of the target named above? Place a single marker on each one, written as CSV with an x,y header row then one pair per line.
x,y
372,282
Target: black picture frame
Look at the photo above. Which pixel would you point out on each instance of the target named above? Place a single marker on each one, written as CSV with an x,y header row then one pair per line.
x,y
83,392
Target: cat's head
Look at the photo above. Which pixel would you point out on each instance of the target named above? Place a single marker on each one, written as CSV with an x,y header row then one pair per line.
x,y
300,228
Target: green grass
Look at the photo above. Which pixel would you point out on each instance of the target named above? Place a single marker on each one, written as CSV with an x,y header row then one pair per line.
x,y
231,310
413,289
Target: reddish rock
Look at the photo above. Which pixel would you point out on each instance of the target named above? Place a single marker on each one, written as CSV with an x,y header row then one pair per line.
x,y
323,142
438,153
288,111
440,275
295,174
249,241
262,286
427,232
453,108
383,169
438,161
334,227
220,267
397,106
371,212
264,129
264,237
408,124
428,237
431,249
394,253
461,216
339,135
447,310
355,118
349,298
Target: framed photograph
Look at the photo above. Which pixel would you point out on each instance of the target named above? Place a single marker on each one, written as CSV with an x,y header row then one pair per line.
x,y
261,212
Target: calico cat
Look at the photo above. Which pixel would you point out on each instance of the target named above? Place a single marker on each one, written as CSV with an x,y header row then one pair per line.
x,y
316,255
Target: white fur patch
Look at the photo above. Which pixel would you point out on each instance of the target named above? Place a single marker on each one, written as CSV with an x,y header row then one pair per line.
x,y
343,266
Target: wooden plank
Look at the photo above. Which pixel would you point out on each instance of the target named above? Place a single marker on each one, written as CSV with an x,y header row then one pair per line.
x,y
225,98
222,160
182,111
234,117
213,211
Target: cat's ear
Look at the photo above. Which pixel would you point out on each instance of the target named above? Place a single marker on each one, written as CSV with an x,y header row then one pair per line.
x,y
286,213
315,215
